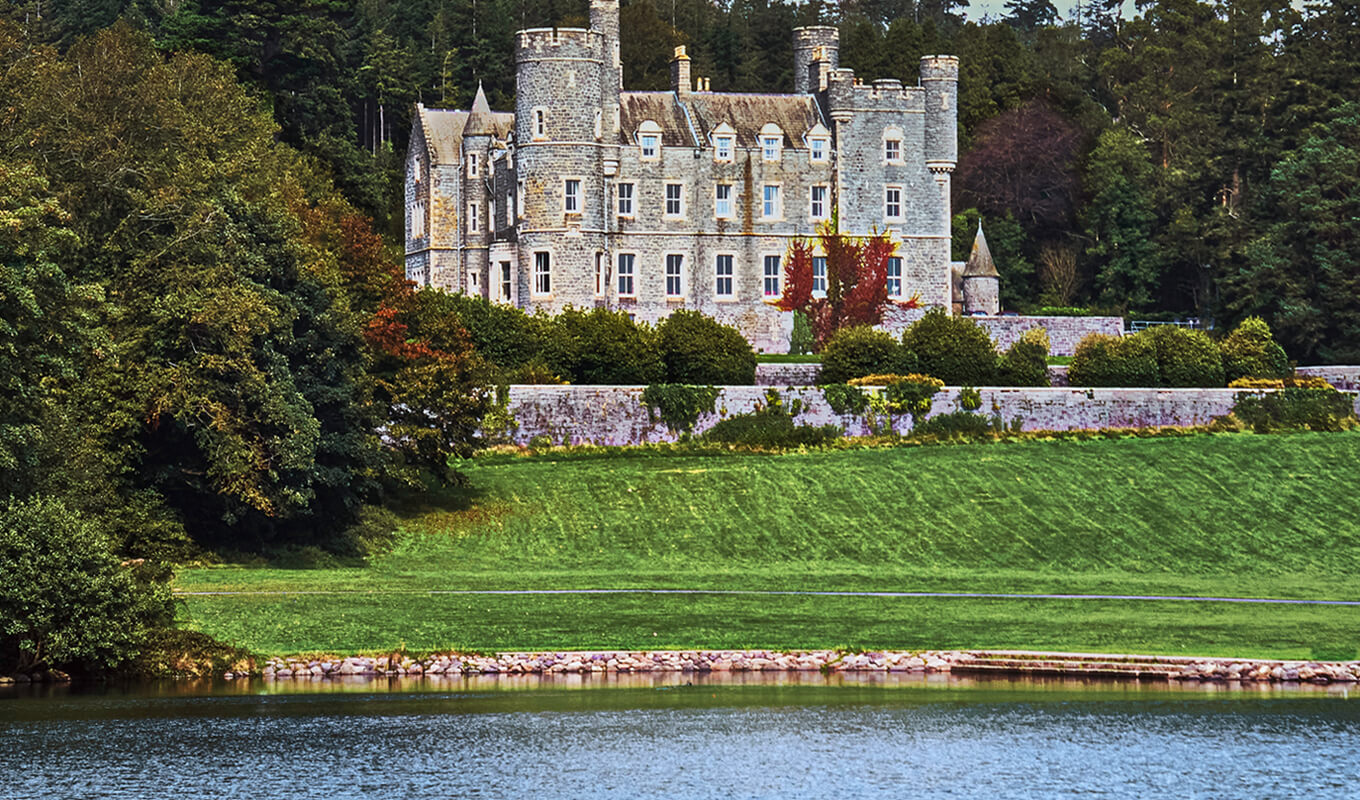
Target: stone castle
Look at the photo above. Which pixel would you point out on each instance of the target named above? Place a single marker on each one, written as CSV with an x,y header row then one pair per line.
x,y
589,195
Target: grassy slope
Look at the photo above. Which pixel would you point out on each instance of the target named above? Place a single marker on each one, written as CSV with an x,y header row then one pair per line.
x,y
1220,515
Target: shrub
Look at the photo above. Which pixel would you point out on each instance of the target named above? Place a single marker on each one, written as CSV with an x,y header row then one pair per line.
x,y
603,347
955,425
801,339
1250,351
911,395
1296,409
954,349
66,601
698,349
503,335
678,405
1104,360
970,399
1026,362
1292,382
876,380
771,426
858,351
845,399
1185,357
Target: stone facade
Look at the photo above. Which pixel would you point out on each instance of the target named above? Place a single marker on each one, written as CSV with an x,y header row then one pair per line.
x,y
589,195
614,415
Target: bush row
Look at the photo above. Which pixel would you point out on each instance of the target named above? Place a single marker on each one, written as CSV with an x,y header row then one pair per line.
x,y
954,349
1171,356
600,346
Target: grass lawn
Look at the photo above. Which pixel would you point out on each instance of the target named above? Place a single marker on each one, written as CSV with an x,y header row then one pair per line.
x,y
788,358
1222,515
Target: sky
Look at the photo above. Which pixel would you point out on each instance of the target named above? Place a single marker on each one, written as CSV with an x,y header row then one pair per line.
x,y
997,8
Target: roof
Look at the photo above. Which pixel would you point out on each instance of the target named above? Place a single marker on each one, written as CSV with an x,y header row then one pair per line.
x,y
980,264
444,129
746,113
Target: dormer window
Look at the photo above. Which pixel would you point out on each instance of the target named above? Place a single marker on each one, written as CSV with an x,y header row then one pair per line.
x,y
722,148
819,149
649,141
771,142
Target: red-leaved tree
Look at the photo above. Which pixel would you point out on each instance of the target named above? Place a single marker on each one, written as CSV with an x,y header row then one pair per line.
x,y
856,281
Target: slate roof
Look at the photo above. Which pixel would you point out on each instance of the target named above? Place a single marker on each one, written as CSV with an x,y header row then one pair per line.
x,y
444,129
980,263
746,113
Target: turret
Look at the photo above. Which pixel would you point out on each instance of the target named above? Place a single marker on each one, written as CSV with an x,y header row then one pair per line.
x,y
981,281
816,49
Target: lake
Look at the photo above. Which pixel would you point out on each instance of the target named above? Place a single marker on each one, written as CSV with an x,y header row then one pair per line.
x,y
749,735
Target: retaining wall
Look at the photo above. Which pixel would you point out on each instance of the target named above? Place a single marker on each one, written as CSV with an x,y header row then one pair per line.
x,y
614,415
1347,379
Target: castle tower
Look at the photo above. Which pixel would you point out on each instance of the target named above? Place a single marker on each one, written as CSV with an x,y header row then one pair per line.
x,y
604,19
811,45
981,281
559,127
478,227
940,79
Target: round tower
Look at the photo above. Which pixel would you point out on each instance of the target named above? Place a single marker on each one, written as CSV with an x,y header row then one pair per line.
x,y
558,119
981,281
814,45
940,79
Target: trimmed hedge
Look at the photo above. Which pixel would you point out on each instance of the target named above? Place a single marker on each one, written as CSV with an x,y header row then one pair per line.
x,y
860,350
698,349
1250,351
1185,357
1104,360
603,347
1026,362
954,349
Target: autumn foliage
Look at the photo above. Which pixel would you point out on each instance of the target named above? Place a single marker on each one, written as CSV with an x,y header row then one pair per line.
x,y
856,282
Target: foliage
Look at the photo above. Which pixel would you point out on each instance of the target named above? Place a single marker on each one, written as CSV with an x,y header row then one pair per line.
x,y
502,335
800,340
66,601
1296,409
1025,362
970,399
856,282
1008,243
1120,220
956,425
911,395
1185,357
882,379
1104,360
1291,382
679,405
954,349
845,399
771,426
600,346
860,350
698,349
1250,351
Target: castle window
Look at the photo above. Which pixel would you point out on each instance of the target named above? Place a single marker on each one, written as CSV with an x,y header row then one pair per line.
x,y
770,147
627,261
540,123
599,274
417,220
474,284
722,201
599,123
722,148
892,145
894,276
772,276
472,165
675,194
491,215
625,191
819,276
649,140
571,196
472,218
772,206
519,199
818,204
819,148
542,272
722,277
505,281
675,276
510,211
892,202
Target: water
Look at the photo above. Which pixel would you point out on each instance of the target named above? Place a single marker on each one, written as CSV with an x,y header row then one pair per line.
x,y
652,736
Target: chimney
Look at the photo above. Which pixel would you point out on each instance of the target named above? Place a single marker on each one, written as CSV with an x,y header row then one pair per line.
x,y
680,80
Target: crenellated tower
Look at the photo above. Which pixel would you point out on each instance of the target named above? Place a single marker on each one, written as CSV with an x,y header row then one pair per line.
x,y
816,49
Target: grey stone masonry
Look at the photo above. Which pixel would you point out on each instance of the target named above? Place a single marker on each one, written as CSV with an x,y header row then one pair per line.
x,y
647,202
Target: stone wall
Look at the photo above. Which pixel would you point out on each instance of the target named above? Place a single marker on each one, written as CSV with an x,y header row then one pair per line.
x,y
614,415
1346,379
787,374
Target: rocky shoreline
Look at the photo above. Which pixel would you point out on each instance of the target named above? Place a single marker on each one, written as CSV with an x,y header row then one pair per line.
x,y
1172,668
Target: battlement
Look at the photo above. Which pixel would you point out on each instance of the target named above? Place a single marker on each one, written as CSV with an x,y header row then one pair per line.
x,y
939,68
814,35
537,43
887,94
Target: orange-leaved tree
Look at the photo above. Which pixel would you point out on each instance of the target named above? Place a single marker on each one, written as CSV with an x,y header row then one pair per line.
x,y
856,281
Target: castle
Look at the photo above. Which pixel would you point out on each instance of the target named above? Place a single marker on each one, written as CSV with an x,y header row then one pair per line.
x,y
589,195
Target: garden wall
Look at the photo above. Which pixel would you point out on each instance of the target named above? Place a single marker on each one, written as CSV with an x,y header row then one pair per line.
x,y
1347,379
1063,332
614,415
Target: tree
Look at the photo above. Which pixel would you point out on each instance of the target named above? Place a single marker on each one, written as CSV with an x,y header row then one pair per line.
x,y
856,275
1120,220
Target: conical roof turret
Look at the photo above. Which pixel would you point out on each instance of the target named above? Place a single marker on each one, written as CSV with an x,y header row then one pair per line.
x,y
980,264
480,121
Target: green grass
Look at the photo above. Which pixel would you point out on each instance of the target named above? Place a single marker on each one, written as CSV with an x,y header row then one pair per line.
x,y
1059,360
1226,515
788,358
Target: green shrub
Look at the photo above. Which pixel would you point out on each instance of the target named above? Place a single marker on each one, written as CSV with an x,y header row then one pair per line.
x,y
845,399
1250,351
801,339
503,335
861,350
970,399
954,349
1185,357
66,600
1296,409
1062,311
770,427
913,395
1026,362
955,425
1104,360
603,347
698,349
678,405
